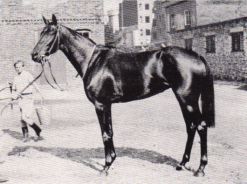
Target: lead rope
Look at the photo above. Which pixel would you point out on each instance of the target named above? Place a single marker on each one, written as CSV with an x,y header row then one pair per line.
x,y
53,77
47,78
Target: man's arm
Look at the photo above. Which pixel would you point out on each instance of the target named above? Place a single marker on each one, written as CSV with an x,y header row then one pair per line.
x,y
14,94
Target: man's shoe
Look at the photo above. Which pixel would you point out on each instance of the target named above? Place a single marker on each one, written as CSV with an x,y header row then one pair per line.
x,y
26,137
36,128
38,138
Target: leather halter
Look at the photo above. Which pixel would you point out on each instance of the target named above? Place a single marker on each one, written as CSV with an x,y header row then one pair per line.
x,y
56,39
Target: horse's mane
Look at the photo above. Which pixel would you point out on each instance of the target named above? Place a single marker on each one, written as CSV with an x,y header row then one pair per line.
x,y
76,33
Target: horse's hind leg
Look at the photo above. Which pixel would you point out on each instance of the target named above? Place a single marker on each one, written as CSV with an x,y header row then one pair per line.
x,y
202,131
104,115
192,116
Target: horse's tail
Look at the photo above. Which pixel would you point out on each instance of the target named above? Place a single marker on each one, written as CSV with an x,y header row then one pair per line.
x,y
207,98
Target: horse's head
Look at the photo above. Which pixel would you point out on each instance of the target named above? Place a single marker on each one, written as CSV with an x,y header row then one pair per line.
x,y
49,40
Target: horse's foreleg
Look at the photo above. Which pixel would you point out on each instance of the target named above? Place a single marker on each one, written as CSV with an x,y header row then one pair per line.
x,y
202,131
105,121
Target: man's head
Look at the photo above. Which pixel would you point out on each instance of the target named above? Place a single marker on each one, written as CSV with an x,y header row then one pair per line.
x,y
19,65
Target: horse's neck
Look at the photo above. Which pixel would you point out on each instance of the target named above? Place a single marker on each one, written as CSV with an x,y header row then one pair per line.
x,y
78,51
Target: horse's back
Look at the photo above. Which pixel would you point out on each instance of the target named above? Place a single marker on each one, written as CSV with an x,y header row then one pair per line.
x,y
121,76
128,76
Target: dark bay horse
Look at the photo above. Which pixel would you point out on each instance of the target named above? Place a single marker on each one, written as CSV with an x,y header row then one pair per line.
x,y
111,76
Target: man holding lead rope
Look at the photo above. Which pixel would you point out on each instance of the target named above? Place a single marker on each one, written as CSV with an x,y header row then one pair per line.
x,y
24,80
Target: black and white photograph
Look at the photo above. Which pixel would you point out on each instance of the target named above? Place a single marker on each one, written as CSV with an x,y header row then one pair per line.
x,y
123,91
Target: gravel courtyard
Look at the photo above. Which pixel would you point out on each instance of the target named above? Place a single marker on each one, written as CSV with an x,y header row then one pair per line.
x,y
149,137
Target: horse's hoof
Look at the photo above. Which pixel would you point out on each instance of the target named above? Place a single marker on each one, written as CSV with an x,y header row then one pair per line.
x,y
179,167
199,173
105,171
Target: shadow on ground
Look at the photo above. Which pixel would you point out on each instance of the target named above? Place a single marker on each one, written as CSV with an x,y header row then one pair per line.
x,y
243,87
84,155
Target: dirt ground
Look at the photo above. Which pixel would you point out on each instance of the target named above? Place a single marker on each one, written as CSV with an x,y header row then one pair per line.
x,y
149,136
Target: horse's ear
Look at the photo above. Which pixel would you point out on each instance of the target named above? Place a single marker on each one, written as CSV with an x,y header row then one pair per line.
x,y
54,19
45,20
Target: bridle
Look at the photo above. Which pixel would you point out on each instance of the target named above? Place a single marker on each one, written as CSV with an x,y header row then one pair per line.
x,y
56,39
55,46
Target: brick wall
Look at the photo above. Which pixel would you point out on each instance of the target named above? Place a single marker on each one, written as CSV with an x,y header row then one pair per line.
x,y
224,63
19,32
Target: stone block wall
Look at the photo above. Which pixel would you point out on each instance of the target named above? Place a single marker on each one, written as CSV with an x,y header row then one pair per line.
x,y
224,63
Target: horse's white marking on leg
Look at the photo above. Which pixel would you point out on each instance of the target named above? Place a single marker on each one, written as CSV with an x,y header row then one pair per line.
x,y
200,127
189,108
192,126
105,137
99,105
203,123
204,158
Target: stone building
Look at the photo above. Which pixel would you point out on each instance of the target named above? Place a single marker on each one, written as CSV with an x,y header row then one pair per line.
x,y
20,25
222,43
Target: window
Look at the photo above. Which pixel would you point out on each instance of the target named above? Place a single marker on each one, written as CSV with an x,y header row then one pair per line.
x,y
172,22
188,43
187,18
154,35
154,22
148,32
146,6
147,19
237,41
210,44
160,17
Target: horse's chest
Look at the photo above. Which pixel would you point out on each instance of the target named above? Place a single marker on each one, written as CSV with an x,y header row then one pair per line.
x,y
102,86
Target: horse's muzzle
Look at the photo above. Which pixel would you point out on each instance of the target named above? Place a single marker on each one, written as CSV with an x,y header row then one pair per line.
x,y
35,56
38,58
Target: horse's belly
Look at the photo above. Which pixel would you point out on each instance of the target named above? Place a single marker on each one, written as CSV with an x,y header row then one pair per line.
x,y
142,90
